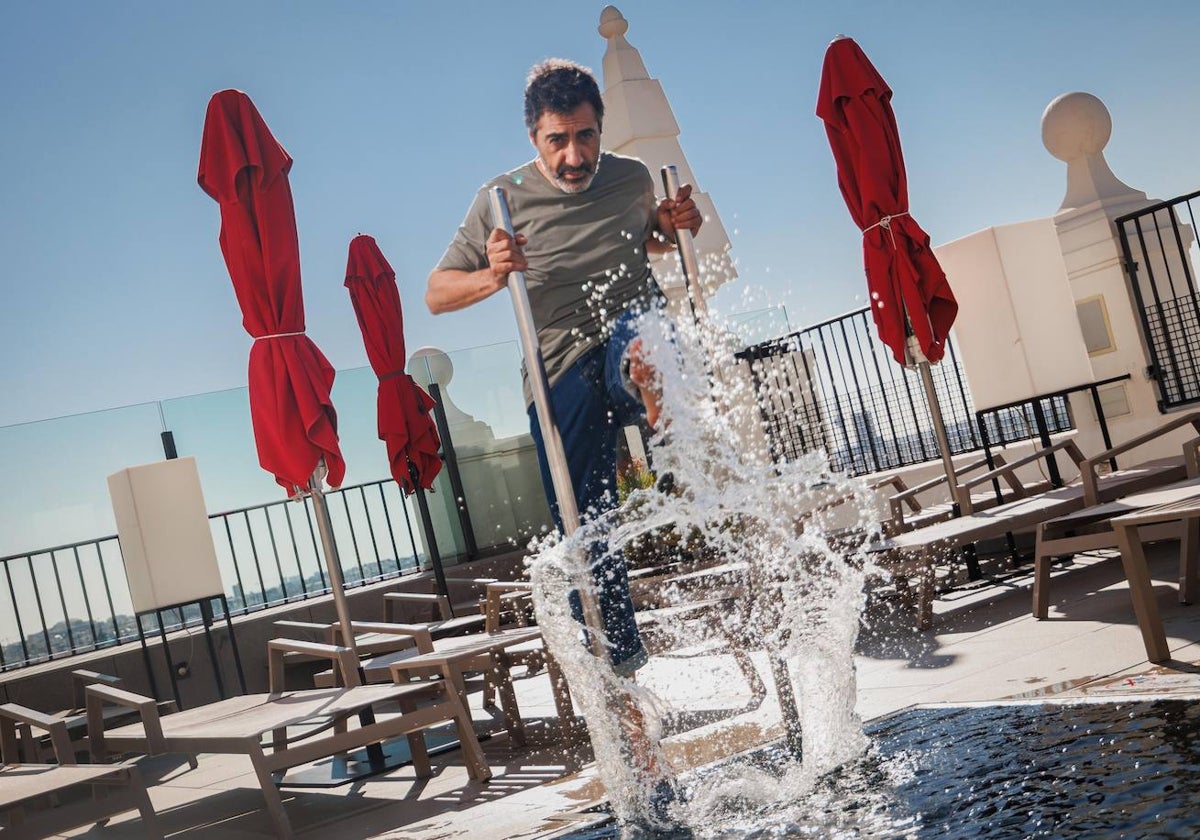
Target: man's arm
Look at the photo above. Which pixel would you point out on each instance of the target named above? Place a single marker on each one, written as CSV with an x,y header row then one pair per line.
x,y
679,213
450,289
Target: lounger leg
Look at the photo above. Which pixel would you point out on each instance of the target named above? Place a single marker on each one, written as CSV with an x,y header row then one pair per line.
x,y
925,593
1189,561
283,827
502,678
477,767
137,790
1141,591
1041,579
278,740
562,700
416,743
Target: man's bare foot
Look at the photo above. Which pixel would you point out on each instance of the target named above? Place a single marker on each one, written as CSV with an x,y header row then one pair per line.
x,y
645,377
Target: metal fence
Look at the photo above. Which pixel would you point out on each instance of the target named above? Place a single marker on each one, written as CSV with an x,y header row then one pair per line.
x,y
834,387
73,598
1160,254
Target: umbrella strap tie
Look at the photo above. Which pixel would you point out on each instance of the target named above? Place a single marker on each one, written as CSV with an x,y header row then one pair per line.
x,y
392,375
885,222
277,335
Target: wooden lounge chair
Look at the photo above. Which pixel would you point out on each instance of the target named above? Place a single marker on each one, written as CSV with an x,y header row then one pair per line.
x,y
493,655
914,554
906,511
23,784
492,600
442,623
1011,488
238,725
1185,513
75,718
1091,529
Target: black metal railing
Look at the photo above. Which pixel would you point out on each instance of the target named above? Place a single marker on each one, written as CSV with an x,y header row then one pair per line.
x,y
834,387
73,598
1158,244
49,621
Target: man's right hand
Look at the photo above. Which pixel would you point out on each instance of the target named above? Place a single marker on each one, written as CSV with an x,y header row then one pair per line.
x,y
451,289
504,255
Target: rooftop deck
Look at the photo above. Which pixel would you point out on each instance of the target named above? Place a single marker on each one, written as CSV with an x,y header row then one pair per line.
x,y
985,646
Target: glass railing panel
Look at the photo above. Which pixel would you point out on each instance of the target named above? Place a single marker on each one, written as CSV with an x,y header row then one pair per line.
x,y
215,429
758,325
57,471
485,411
58,496
355,396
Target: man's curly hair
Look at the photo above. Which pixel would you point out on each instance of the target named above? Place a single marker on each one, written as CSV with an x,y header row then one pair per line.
x,y
560,86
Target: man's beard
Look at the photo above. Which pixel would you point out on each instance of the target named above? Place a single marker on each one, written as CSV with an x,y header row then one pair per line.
x,y
573,187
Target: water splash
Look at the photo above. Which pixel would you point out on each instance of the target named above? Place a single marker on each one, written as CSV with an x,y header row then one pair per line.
x,y
781,579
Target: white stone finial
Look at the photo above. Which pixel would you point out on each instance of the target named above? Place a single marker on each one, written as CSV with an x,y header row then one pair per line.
x,y
612,23
1075,129
1076,125
622,62
431,364
839,37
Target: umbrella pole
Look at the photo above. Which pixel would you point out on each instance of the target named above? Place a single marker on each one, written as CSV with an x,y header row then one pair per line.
x,y
333,563
376,760
935,414
556,456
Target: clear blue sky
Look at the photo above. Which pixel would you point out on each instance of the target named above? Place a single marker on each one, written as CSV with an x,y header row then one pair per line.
x,y
114,290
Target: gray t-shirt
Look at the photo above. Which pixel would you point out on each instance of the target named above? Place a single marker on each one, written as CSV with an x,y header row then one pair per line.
x,y
586,251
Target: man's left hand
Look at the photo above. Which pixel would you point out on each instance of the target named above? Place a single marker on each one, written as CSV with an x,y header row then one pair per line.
x,y
679,213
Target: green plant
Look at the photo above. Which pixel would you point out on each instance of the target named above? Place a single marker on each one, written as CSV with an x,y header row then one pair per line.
x,y
634,476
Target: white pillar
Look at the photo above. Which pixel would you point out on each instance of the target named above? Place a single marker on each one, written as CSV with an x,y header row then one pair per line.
x,y
1075,129
638,122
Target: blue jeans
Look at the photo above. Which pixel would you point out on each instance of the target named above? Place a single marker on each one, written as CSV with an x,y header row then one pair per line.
x,y
592,405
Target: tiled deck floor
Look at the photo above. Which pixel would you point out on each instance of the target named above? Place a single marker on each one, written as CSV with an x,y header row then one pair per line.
x,y
985,646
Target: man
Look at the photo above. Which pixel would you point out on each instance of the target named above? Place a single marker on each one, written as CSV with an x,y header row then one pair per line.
x,y
584,221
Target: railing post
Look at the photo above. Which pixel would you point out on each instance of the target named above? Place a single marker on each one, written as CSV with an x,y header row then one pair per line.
x,y
451,459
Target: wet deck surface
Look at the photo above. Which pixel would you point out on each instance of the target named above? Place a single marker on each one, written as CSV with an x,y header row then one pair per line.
x,y
984,646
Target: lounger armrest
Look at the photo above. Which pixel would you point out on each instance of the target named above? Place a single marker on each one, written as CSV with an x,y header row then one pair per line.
x,y
1008,471
392,599
940,478
1091,478
480,581
81,678
509,586
909,494
327,633
1191,457
344,661
146,707
419,633
12,714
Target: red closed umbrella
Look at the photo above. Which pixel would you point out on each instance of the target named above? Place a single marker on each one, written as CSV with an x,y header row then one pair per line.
x,y
406,425
243,167
911,300
903,275
405,422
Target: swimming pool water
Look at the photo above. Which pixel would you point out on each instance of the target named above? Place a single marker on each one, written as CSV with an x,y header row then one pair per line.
x,y
1009,770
